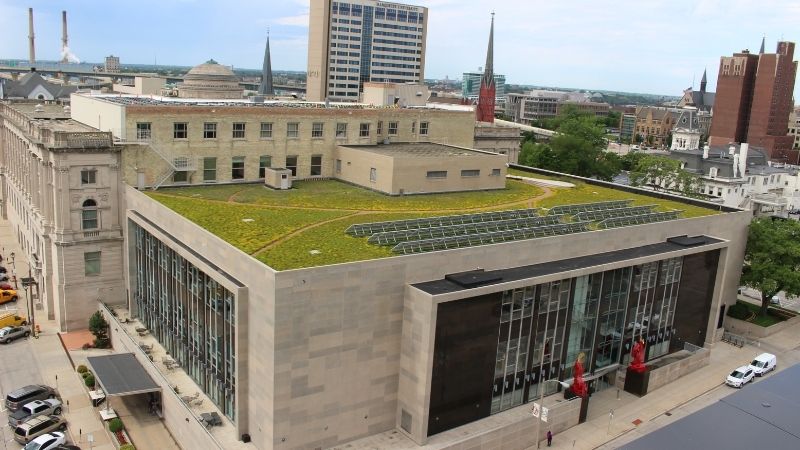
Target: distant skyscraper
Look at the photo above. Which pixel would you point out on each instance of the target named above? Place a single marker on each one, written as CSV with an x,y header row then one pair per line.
x,y
471,85
754,99
359,41
486,97
266,88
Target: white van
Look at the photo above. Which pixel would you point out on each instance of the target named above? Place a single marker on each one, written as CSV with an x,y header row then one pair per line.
x,y
763,363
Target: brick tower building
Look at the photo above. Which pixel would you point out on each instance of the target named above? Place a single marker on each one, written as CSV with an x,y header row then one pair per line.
x,y
486,97
754,99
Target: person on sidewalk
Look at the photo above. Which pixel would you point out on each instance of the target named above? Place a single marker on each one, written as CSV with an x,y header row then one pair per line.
x,y
549,437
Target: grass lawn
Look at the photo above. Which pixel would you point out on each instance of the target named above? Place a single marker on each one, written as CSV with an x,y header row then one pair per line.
x,y
232,223
764,321
330,194
305,226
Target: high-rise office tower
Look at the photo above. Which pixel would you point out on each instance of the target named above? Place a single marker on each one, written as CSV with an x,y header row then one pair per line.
x,y
754,99
359,41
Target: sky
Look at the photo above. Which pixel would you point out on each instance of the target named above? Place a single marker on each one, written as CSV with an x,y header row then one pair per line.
x,y
647,46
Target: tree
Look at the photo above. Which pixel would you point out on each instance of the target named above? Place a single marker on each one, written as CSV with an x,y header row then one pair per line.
x,y
772,258
99,328
612,119
663,173
631,159
527,136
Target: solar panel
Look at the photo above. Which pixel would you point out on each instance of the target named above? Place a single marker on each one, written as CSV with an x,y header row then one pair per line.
x,y
616,222
617,212
581,207
469,240
368,229
394,237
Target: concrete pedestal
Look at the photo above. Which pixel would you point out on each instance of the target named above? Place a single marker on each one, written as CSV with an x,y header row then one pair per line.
x,y
636,382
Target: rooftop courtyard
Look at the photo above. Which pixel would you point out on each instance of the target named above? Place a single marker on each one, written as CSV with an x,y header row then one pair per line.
x,y
306,226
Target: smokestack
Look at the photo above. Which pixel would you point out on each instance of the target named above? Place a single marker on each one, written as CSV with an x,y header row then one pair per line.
x,y
31,48
64,45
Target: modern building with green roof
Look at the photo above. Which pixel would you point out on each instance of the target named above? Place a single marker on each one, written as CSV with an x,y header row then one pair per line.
x,y
353,312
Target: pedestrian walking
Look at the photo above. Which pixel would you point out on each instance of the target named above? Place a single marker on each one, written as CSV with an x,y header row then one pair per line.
x,y
549,437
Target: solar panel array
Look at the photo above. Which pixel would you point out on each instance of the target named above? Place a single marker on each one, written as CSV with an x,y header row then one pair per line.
x,y
611,213
469,240
466,230
615,222
395,237
582,207
368,229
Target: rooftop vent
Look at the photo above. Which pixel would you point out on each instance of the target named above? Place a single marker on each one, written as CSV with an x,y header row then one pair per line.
x,y
38,108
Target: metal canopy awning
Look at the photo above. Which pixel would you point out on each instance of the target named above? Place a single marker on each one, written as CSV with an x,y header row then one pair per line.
x,y
121,374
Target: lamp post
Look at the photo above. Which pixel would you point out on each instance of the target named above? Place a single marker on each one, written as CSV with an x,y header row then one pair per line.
x,y
541,406
14,270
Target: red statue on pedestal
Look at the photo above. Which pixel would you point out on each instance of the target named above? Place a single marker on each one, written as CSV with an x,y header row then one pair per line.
x,y
578,385
637,357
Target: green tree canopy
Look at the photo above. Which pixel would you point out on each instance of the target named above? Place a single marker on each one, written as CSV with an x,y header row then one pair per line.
x,y
772,258
663,173
578,148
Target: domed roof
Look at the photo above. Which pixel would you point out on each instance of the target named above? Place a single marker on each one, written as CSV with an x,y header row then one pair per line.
x,y
210,68
210,80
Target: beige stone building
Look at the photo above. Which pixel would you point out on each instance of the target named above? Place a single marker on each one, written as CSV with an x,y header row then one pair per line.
x,y
363,40
61,185
654,125
195,142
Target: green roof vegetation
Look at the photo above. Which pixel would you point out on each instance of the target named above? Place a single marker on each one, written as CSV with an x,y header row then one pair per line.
x,y
305,227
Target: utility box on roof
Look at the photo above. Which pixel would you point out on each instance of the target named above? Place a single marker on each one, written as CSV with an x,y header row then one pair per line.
x,y
278,178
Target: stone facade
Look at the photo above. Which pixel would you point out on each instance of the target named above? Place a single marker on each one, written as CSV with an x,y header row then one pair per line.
x,y
60,183
295,133
499,139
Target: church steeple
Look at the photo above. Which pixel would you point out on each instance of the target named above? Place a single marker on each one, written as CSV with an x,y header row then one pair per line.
x,y
703,82
266,88
761,52
486,97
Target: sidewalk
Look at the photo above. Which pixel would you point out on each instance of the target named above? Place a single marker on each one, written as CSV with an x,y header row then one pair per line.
x,y
673,401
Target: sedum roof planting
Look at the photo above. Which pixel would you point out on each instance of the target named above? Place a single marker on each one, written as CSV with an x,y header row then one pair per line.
x,y
306,226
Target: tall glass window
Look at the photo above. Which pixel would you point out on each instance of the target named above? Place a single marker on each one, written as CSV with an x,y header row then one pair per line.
x,y
190,313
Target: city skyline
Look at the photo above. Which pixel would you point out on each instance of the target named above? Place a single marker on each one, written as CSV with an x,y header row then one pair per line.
x,y
590,46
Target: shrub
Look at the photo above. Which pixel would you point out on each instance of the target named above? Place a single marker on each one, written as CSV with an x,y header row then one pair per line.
x,y
86,346
127,447
115,425
86,374
89,381
739,311
82,369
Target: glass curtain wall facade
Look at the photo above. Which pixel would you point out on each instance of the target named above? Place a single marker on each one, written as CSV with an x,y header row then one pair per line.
x,y
191,315
544,328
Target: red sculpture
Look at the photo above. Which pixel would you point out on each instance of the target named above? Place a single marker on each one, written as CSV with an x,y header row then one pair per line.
x,y
637,357
578,385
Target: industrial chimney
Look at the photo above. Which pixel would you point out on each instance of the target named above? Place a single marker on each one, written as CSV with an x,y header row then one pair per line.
x,y
64,42
31,49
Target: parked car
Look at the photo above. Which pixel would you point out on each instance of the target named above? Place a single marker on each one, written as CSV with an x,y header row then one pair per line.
x,y
763,363
50,406
775,300
9,319
8,334
740,376
67,447
33,428
3,276
8,296
49,441
18,398
5,286
3,269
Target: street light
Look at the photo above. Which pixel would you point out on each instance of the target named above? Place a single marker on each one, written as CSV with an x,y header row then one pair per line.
x,y
542,389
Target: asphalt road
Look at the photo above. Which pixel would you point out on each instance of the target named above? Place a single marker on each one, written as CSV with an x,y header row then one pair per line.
x,y
18,368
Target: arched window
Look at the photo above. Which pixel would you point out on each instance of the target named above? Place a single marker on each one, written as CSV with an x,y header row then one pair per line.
x,y
89,215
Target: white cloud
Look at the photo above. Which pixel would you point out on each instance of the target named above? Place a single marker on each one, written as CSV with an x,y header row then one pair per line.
x,y
300,20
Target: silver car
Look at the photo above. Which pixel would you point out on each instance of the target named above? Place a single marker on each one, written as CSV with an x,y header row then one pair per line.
x,y
8,334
